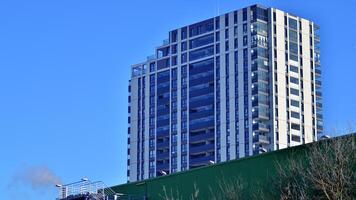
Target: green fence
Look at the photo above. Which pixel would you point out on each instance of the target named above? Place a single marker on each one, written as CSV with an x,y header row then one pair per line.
x,y
255,173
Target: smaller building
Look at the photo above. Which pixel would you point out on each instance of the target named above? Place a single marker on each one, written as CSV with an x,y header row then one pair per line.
x,y
86,190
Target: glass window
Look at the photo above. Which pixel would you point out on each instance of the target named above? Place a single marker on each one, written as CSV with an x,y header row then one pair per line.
x,y
293,36
174,49
294,115
174,36
294,80
294,91
162,63
201,27
184,46
244,14
226,19
184,33
152,67
293,69
217,23
244,40
201,53
295,138
201,41
293,24
294,103
184,58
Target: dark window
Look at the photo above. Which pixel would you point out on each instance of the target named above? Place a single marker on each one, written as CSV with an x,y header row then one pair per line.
x,y
226,19
174,36
293,36
293,48
201,53
294,103
235,17
174,49
294,115
294,91
244,40
217,36
201,41
295,138
217,23
201,27
293,24
184,46
184,58
152,67
244,14
162,63
184,33
174,60
293,69
294,80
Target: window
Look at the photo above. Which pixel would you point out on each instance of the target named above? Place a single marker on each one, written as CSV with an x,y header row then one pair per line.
x,y
226,19
293,69
201,27
293,36
294,91
227,46
162,63
245,40
226,33
152,67
295,115
201,53
174,60
244,28
184,46
184,58
294,103
293,24
235,17
295,126
244,14
295,138
184,33
294,80
201,41
293,48
174,36
174,49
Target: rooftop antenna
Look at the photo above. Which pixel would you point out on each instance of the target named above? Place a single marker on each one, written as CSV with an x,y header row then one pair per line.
x,y
218,5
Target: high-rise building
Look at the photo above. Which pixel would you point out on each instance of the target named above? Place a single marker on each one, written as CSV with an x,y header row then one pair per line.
x,y
239,84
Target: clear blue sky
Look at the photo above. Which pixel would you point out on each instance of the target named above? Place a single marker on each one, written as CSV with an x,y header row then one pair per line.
x,y
64,71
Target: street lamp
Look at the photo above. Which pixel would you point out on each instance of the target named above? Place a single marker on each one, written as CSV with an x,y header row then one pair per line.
x,y
211,162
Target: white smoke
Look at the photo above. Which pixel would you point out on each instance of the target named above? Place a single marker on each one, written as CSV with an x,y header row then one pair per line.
x,y
38,177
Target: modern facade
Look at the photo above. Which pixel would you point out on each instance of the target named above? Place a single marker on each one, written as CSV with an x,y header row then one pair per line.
x,y
232,86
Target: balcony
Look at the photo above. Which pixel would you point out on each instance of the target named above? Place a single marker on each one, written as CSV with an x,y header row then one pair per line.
x,y
263,139
201,149
202,137
260,127
201,161
163,145
317,72
164,167
162,156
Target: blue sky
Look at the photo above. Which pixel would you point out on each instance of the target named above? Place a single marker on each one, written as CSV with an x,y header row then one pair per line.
x,y
64,71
